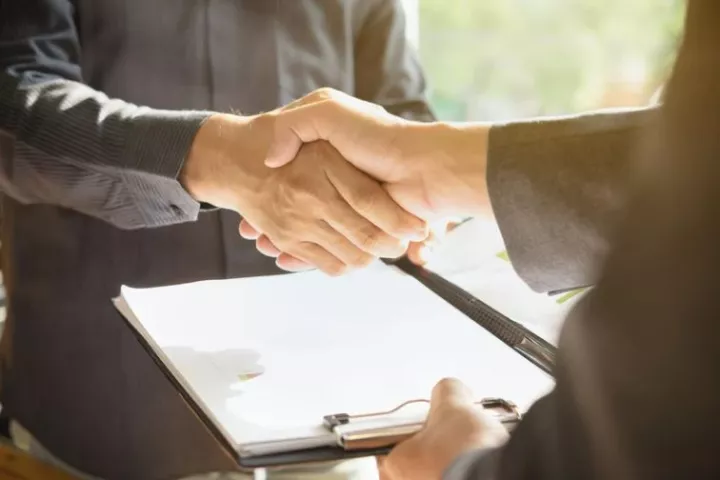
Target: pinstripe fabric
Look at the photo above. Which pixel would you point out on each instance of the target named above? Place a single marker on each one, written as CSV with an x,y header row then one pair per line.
x,y
105,158
77,164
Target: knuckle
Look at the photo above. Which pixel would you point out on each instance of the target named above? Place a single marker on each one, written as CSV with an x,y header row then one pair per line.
x,y
324,94
336,269
282,241
360,259
296,197
401,221
370,238
366,197
363,260
280,225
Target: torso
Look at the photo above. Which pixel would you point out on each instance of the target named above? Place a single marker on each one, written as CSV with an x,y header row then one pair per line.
x,y
72,371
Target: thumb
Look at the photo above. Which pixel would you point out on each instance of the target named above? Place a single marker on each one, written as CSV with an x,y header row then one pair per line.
x,y
323,115
450,392
291,129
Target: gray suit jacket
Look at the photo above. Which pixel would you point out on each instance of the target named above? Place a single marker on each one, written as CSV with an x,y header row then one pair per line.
x,y
93,201
638,375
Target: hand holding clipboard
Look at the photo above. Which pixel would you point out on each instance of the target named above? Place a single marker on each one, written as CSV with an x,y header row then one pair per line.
x,y
454,425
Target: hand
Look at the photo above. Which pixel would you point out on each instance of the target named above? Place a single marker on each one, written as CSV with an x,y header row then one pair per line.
x,y
432,170
319,210
454,426
420,253
417,252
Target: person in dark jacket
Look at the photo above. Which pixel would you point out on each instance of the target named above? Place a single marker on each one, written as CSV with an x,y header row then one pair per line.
x,y
633,197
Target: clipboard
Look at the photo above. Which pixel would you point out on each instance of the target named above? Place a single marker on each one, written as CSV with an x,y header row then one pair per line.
x,y
355,435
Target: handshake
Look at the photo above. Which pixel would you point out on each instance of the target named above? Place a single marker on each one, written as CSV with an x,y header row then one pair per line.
x,y
333,182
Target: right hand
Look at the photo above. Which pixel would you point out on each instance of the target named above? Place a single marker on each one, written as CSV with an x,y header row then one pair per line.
x,y
454,426
319,211
433,170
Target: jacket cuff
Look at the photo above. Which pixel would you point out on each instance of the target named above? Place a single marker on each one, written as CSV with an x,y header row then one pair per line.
x,y
556,186
155,152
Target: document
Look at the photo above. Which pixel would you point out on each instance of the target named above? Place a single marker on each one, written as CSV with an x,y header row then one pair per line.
x,y
473,257
267,358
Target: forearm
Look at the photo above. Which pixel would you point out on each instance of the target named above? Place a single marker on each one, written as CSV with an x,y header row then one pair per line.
x,y
64,143
68,145
554,186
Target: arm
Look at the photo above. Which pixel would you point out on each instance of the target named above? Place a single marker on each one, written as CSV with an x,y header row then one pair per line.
x,y
637,393
64,143
387,70
556,187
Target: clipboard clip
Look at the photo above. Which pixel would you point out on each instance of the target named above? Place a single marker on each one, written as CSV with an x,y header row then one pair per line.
x,y
377,430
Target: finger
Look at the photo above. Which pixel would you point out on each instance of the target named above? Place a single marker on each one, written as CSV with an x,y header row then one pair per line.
x,y
318,257
266,247
363,234
315,117
301,124
247,231
418,253
292,264
371,200
342,248
450,392
312,97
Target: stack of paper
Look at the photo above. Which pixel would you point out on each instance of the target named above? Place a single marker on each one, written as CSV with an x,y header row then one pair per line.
x,y
267,358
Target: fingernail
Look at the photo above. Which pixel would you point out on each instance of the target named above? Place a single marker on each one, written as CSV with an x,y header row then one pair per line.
x,y
399,251
272,161
425,253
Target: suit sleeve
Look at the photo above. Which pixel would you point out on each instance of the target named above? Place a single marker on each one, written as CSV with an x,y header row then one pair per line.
x,y
556,187
387,69
65,144
638,383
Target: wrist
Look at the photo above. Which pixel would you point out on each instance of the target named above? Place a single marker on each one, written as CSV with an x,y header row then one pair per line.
x,y
204,172
452,157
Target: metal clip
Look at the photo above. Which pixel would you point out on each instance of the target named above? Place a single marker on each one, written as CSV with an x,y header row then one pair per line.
x,y
353,435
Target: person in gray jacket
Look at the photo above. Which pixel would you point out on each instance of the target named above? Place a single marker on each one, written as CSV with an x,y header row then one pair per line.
x,y
111,136
638,371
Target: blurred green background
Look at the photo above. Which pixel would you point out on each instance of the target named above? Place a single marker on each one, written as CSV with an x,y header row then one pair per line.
x,y
504,59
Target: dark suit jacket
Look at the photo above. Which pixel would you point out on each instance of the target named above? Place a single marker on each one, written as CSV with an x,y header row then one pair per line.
x,y
76,165
638,378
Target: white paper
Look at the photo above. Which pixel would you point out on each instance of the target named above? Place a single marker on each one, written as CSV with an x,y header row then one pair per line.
x,y
470,258
317,346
